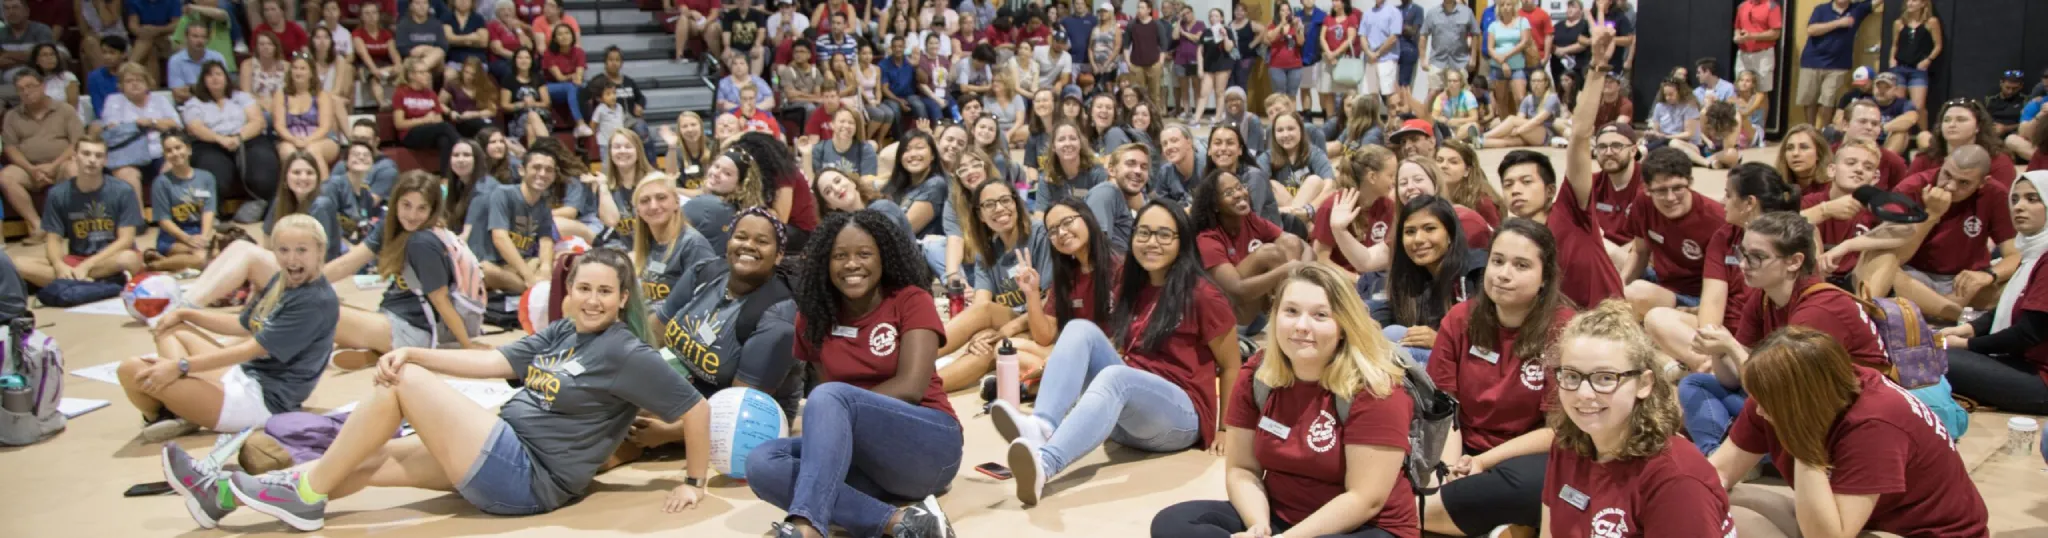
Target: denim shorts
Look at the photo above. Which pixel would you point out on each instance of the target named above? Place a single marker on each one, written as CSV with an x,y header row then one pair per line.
x,y
164,241
1910,76
501,480
1687,301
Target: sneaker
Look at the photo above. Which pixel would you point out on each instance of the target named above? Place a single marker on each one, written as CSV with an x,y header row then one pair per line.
x,y
923,520
583,130
1025,466
277,494
1013,423
251,212
167,427
199,481
785,529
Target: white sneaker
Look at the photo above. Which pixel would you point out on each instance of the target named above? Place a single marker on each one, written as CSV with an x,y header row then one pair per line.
x,y
583,131
1026,466
1013,423
167,429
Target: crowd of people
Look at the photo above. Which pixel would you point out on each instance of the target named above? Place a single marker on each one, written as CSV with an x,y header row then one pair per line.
x,y
1174,268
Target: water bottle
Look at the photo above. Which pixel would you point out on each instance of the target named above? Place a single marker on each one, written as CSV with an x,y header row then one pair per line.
x,y
14,394
1006,374
2019,435
956,297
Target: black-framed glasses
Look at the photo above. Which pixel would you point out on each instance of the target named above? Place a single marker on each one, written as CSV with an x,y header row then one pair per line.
x,y
1669,192
1610,147
992,204
1069,224
1146,234
1603,382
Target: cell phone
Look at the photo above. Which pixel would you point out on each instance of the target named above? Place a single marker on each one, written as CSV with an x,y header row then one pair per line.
x,y
994,470
148,489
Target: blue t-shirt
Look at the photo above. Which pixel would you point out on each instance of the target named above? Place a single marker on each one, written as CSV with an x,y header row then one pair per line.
x,y
1833,50
155,12
99,84
470,24
900,76
1312,24
1079,29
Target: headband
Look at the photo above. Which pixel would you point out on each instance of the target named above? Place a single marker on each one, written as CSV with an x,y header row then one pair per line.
x,y
762,212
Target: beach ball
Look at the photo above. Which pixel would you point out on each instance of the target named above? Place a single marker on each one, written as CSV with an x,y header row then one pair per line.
x,y
741,420
572,244
533,308
149,295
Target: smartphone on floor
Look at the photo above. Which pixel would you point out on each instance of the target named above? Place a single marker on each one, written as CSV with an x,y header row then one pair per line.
x,y
994,470
148,489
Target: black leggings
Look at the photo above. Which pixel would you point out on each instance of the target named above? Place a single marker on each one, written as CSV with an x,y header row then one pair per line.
x,y
435,136
2011,384
221,163
1507,494
1218,519
470,127
252,173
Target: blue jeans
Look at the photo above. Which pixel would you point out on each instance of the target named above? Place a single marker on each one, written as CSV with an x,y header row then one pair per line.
x,y
1285,81
1089,395
1911,77
1709,409
935,255
1396,332
925,107
500,482
558,91
860,451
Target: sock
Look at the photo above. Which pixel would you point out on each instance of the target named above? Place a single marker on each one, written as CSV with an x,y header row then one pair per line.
x,y
306,493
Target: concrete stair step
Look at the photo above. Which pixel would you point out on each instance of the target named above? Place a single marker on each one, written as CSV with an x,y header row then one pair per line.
x,y
628,15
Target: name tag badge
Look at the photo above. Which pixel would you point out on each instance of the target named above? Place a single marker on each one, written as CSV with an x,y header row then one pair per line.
x,y
1077,303
1490,356
1654,236
707,333
1605,207
690,170
202,194
574,368
1014,270
1731,260
1274,427
843,331
657,267
1572,496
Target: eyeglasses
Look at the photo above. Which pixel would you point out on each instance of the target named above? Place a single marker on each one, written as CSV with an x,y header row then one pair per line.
x,y
1069,224
1603,382
1148,235
1241,188
1610,148
1669,192
1006,201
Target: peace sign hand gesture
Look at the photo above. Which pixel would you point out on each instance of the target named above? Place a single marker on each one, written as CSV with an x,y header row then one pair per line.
x,y
1027,274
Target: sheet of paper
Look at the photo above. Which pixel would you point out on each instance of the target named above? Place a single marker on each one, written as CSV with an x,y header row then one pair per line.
x,y
345,408
486,393
73,407
103,373
109,307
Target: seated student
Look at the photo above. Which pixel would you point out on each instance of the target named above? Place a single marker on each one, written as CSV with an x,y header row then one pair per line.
x,y
1719,142
1996,360
185,200
1072,290
1465,184
599,204
1117,201
470,182
383,172
664,246
1160,396
1070,169
1227,152
418,113
690,152
418,309
1180,164
705,323
1298,168
1947,265
243,265
1350,229
90,221
1752,190
1964,123
917,182
290,330
841,189
1803,158
969,169
41,133
743,177
520,249
1433,268
1321,348
1866,125
1848,230
1671,226
1417,176
866,322
753,118
1530,182
1245,254
1618,445
1865,443
355,202
1001,240
846,145
1488,355
585,375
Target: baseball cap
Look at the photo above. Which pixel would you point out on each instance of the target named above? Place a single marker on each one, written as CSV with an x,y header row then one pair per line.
x,y
1888,78
1104,7
1414,126
1619,128
1860,77
1071,92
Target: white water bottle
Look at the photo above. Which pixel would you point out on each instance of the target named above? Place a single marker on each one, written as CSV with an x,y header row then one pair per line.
x,y
1006,374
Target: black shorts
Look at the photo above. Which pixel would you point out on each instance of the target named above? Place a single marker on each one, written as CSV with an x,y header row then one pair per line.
x,y
1187,70
1508,494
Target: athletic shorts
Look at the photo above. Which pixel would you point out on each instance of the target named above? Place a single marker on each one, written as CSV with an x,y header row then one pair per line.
x,y
1509,493
1763,62
1820,87
500,481
241,403
404,334
1942,284
1388,78
164,241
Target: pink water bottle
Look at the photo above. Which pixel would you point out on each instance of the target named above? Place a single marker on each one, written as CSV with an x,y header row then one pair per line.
x,y
1006,374
956,298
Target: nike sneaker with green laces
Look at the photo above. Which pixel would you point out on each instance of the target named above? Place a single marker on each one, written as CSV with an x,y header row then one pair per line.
x,y
200,482
278,494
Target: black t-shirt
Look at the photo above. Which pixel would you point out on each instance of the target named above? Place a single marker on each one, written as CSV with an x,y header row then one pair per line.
x,y
1624,26
2005,111
1566,34
473,23
744,26
427,260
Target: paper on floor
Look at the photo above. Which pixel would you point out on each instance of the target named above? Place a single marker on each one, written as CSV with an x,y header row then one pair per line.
x,y
109,307
103,373
73,407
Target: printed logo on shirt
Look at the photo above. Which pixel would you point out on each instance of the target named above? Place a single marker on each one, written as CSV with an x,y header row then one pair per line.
x,y
420,103
1532,375
882,340
94,221
1322,434
189,205
1973,226
1920,410
1379,231
543,376
525,232
1610,523
692,349
1692,250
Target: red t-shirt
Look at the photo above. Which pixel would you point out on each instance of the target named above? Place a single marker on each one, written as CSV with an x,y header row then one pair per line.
x,y
1611,111
1219,246
1041,37
1611,207
292,38
1500,395
1539,27
760,121
506,36
1836,232
1334,29
2002,170
1285,51
415,103
1478,232
1957,243
1724,263
1378,220
1676,493
862,352
378,45
567,62
1891,168
1489,211
352,10
1184,358
1756,17
1888,444
1590,276
803,209
1304,462
58,14
1082,297
1827,309
1677,246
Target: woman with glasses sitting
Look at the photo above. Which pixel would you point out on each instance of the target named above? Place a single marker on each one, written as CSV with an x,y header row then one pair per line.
x,y
1001,240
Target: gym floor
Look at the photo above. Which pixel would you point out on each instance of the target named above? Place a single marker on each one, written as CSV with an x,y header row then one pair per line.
x,y
61,482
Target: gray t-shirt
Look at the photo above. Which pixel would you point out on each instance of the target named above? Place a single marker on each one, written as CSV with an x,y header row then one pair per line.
x,y
931,191
1448,31
184,201
413,34
526,222
355,211
90,221
581,393
1316,164
1045,194
428,261
383,175
708,348
712,217
13,296
1113,214
1169,184
666,263
1000,278
297,335
860,157
895,214
31,34
583,197
479,200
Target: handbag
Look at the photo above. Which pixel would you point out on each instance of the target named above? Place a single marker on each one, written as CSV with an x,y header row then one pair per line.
x,y
1350,71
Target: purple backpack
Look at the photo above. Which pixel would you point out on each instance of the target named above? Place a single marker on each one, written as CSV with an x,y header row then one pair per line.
x,y
1918,358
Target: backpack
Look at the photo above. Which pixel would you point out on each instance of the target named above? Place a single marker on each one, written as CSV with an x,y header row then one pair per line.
x,y
1428,430
34,357
64,293
465,289
1916,356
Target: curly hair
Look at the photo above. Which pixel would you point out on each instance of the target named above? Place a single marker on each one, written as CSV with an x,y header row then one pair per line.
x,y
818,301
1205,199
774,160
1655,419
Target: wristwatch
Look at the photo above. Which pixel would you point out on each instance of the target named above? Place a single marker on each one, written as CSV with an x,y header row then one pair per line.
x,y
693,482
184,367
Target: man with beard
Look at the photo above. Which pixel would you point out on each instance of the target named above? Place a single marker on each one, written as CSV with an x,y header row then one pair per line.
x,y
1617,187
1116,202
1530,182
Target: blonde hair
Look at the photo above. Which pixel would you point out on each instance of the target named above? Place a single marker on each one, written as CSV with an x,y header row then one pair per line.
x,y
134,70
643,233
1655,419
1364,360
641,168
274,291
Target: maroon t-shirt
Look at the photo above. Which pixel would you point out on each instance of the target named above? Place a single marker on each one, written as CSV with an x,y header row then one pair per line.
x,y
1678,247
1302,447
1220,246
862,352
1835,232
1489,211
416,103
1500,396
528,10
1082,297
291,39
1184,358
1891,168
1478,232
1887,444
803,208
2040,159
377,44
1674,493
505,36
1589,275
566,62
2002,170
1957,243
1826,309
1611,207
1378,220
1724,263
